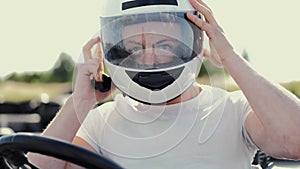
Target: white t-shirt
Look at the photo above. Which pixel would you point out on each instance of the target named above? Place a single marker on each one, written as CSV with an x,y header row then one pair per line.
x,y
205,132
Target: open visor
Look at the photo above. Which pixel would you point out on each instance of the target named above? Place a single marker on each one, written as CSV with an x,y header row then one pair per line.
x,y
150,41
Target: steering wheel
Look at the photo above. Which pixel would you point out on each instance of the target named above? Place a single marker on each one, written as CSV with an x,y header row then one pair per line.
x,y
13,148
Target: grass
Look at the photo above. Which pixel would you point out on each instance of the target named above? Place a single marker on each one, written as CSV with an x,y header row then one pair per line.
x,y
228,84
293,86
18,92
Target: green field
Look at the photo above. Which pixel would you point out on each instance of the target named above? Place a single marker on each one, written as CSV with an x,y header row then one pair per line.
x,y
18,91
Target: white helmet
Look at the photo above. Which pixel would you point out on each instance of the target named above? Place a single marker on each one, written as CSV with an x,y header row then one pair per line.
x,y
151,50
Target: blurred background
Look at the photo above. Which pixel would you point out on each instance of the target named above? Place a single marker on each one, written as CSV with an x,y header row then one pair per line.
x,y
41,41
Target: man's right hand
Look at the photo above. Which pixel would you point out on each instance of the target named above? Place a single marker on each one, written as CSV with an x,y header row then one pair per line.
x,y
84,95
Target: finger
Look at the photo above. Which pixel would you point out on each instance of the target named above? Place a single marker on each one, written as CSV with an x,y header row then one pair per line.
x,y
206,53
98,51
88,69
91,69
97,68
212,19
210,30
198,21
86,50
204,10
204,4
101,70
98,54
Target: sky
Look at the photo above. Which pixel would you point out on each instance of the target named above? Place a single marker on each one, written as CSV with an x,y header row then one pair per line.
x,y
34,33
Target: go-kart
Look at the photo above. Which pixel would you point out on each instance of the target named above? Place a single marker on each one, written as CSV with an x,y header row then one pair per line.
x,y
14,147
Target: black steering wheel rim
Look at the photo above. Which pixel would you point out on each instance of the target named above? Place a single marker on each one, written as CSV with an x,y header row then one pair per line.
x,y
12,148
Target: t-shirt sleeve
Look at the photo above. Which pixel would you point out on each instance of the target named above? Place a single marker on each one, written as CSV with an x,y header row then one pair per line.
x,y
248,141
244,109
88,130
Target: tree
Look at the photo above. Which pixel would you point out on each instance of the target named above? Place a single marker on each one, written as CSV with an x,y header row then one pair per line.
x,y
63,69
208,69
245,55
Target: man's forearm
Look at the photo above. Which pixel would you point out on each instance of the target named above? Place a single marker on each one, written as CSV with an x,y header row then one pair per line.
x,y
277,109
268,100
64,126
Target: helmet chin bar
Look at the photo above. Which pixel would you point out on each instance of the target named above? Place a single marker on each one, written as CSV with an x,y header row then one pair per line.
x,y
171,86
155,80
140,101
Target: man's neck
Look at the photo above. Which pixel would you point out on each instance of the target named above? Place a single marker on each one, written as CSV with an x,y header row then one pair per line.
x,y
190,93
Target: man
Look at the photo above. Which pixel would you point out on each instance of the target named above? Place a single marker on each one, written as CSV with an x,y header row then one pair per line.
x,y
189,125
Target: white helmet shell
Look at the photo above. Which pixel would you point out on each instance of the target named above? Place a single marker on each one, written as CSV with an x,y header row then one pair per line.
x,y
125,7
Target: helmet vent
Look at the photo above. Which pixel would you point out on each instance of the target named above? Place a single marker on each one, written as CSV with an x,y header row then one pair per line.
x,y
155,80
139,3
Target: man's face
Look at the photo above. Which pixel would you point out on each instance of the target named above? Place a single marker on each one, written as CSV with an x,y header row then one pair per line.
x,y
151,44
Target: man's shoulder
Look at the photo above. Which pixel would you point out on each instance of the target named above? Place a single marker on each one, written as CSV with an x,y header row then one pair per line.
x,y
222,93
104,108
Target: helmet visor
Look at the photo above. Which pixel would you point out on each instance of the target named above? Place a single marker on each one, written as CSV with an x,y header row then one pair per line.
x,y
149,41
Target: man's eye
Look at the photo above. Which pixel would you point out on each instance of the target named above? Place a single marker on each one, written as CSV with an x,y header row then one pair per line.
x,y
135,49
165,47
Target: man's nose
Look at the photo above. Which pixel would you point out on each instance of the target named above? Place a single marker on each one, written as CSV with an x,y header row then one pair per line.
x,y
149,56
